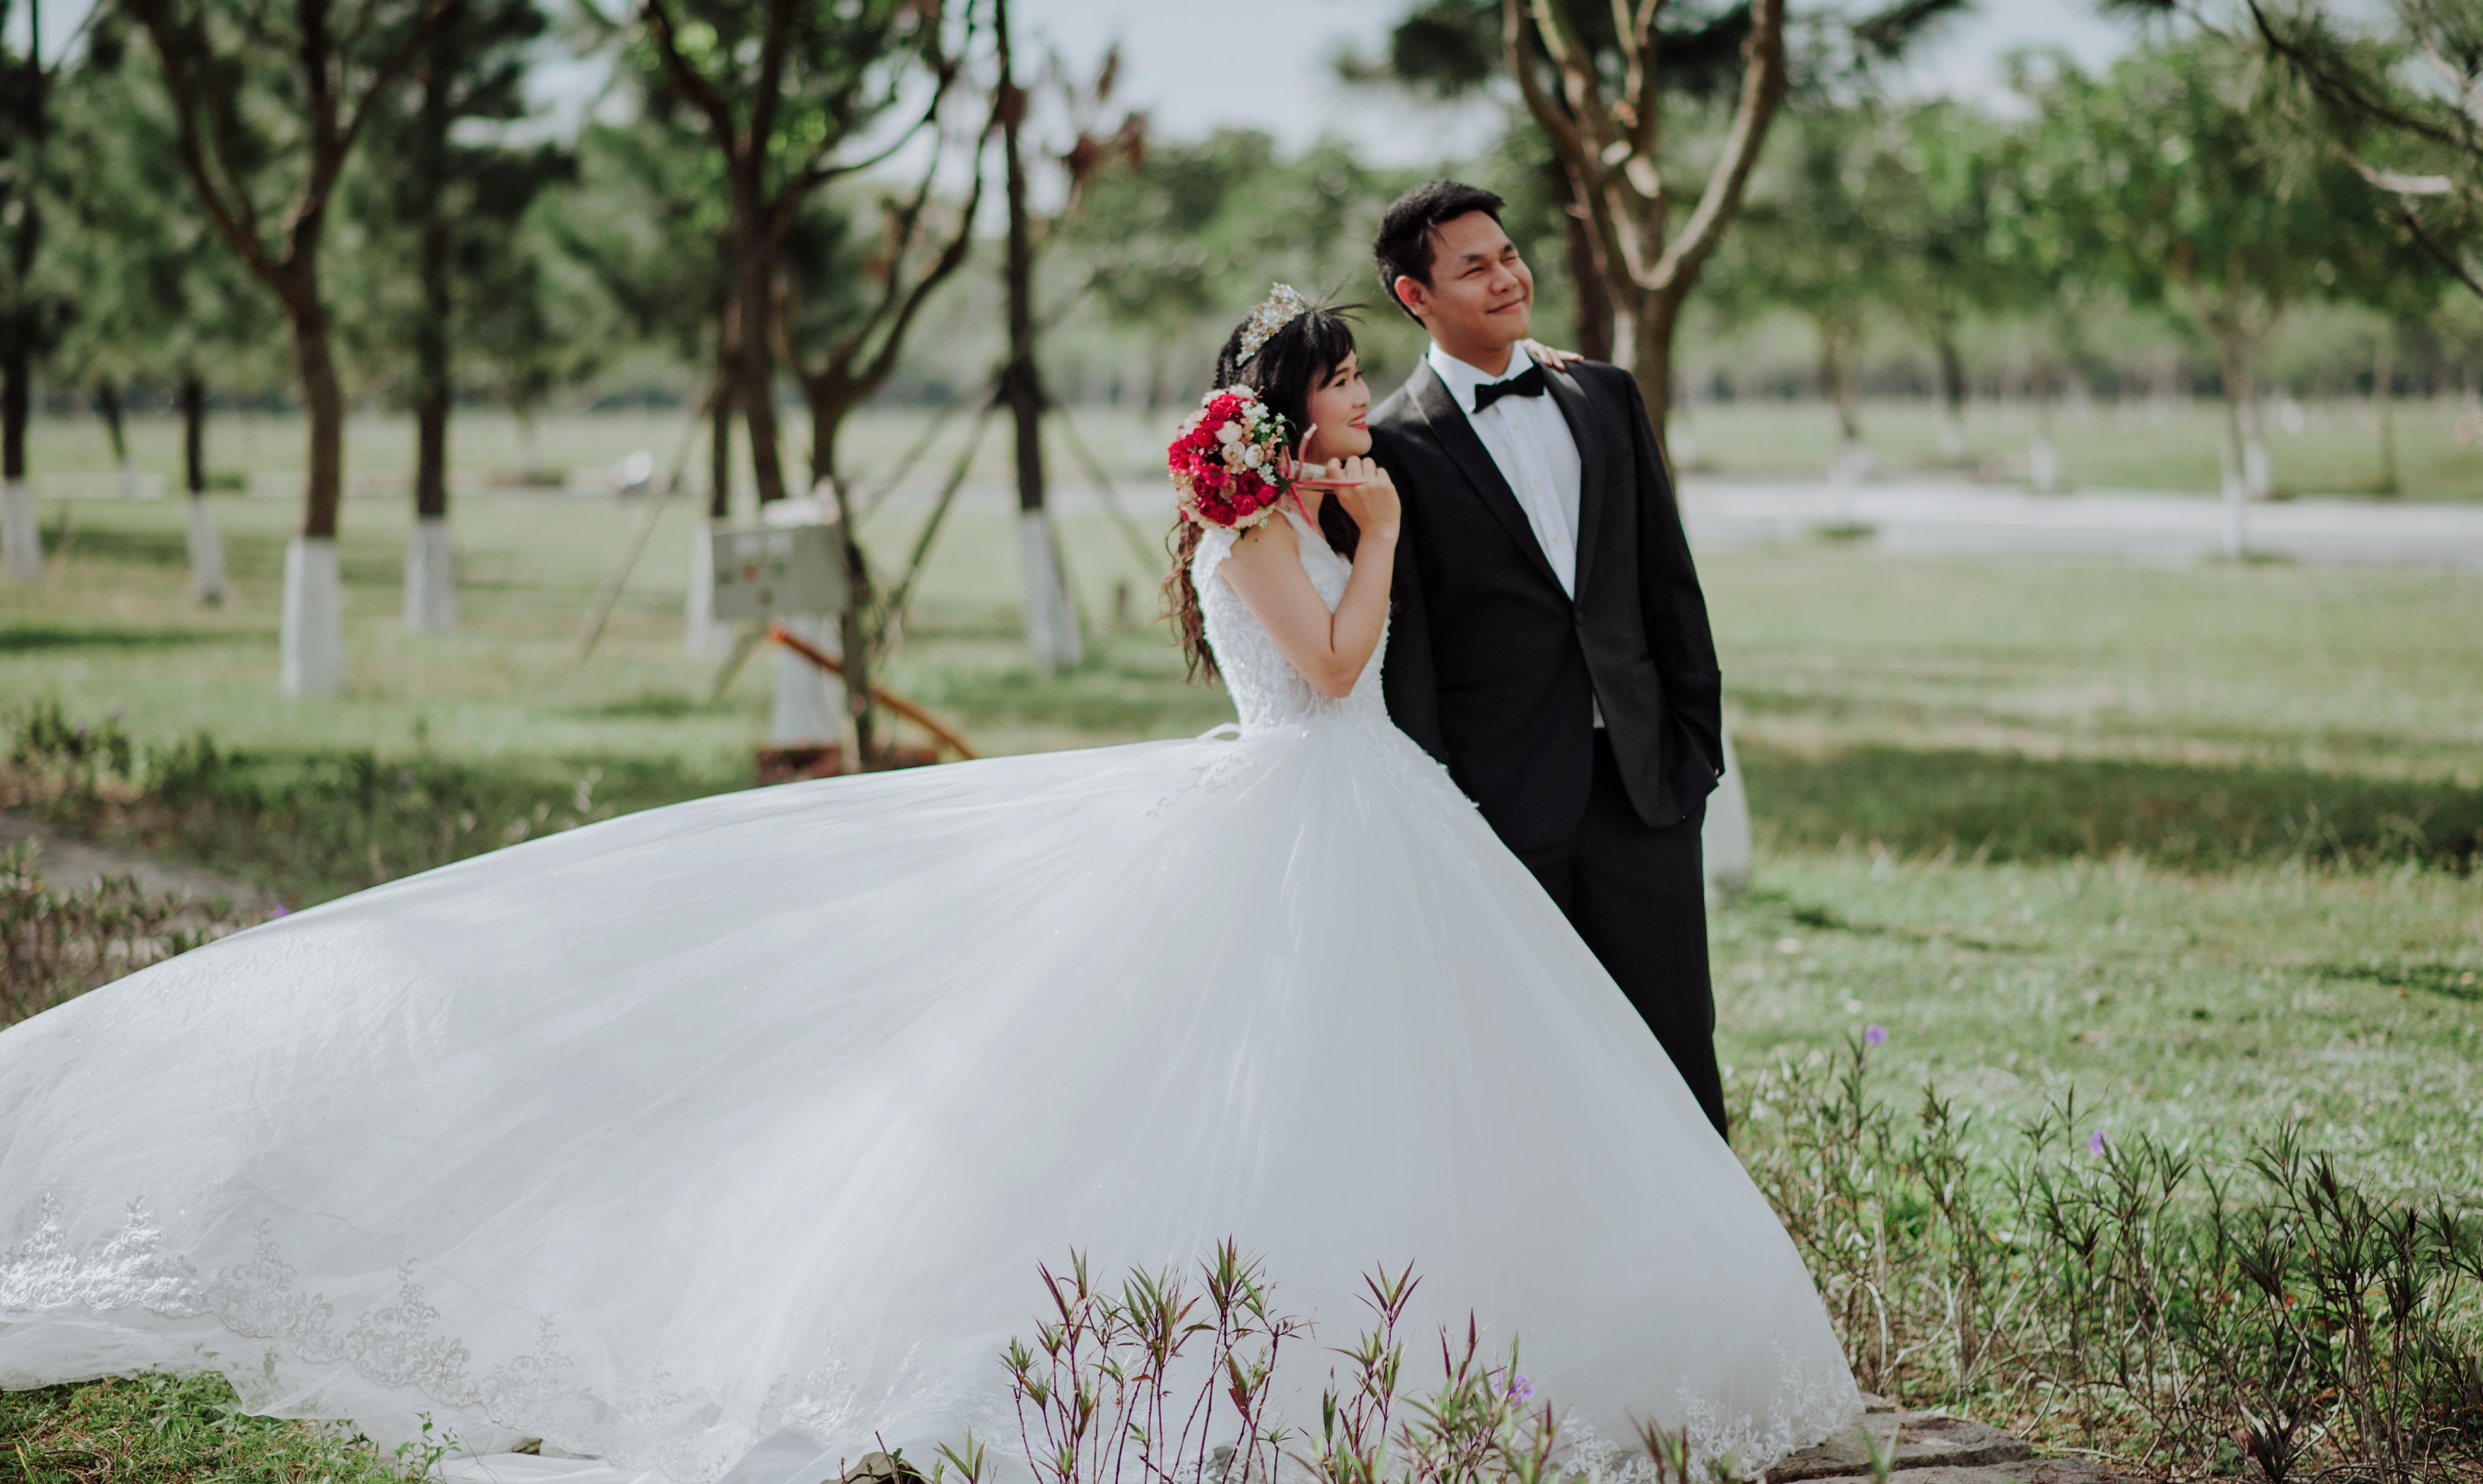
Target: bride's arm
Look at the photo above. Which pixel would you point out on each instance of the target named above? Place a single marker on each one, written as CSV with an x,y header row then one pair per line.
x,y
1265,573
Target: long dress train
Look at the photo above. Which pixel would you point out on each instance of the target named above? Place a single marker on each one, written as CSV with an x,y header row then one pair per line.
x,y
752,1116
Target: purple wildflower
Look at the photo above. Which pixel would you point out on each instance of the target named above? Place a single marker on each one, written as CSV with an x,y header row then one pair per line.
x,y
1520,1388
1875,1035
2096,1142
405,777
278,911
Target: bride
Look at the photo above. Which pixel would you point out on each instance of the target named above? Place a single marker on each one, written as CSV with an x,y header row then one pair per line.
x,y
750,1117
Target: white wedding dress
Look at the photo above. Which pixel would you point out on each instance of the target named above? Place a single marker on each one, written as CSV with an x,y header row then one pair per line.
x,y
749,1118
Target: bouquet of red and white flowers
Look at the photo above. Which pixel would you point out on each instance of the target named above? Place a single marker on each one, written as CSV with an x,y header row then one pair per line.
x,y
1230,460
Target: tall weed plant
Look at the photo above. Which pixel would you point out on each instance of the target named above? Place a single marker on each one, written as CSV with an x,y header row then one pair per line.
x,y
2113,1294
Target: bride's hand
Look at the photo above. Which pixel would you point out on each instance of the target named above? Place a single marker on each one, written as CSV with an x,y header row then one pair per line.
x,y
1543,355
1367,493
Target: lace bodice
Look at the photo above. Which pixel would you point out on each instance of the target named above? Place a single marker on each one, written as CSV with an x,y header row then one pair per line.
x,y
1267,691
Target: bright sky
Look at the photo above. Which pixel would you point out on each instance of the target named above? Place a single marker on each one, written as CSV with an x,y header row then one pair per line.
x,y
1196,64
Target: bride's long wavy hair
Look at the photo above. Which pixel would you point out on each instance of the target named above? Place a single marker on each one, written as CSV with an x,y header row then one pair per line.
x,y
1293,361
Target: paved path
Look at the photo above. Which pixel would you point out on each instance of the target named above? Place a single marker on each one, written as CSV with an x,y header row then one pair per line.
x,y
1940,517
1932,518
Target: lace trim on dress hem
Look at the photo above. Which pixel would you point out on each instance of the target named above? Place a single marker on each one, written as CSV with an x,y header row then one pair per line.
x,y
657,1425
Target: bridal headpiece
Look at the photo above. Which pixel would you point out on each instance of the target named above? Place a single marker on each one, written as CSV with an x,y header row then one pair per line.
x,y
1283,305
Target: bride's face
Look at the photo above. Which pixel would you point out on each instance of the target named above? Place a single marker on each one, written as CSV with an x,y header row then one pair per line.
x,y
1338,403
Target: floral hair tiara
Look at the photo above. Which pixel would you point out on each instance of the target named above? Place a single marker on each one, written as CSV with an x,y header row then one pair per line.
x,y
1283,305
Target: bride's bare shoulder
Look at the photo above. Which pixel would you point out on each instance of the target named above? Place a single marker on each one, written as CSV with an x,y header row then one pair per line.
x,y
1268,536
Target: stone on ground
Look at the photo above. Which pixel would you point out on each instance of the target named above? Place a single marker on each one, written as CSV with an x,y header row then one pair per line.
x,y
1932,1448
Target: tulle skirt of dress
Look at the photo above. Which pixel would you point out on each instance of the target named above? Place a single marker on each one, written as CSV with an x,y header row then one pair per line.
x,y
753,1116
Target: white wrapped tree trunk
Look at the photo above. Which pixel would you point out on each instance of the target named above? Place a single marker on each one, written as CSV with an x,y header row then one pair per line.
x,y
1952,436
1050,617
19,534
810,705
1724,838
313,622
1852,462
2043,465
431,576
705,638
207,554
2258,475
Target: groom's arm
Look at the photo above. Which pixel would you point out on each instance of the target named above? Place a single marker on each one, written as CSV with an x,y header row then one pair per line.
x,y
1407,681
1675,608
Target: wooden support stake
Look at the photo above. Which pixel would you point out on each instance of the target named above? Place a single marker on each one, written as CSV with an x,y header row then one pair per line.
x,y
897,703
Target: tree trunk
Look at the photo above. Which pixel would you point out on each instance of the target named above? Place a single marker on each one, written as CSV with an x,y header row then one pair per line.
x,y
107,406
1051,619
20,530
1642,322
2384,399
194,434
702,635
2233,359
754,289
719,456
1594,300
431,548
313,621
828,412
1834,344
206,547
1952,370
431,380
2042,455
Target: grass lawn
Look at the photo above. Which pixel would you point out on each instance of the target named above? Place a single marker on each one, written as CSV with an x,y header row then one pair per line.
x,y
2200,841
2198,844
2332,448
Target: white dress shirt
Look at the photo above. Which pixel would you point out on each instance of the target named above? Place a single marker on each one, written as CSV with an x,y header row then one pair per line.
x,y
1531,444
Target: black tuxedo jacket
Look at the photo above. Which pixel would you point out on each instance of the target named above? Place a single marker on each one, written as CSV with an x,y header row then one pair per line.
x,y
1494,669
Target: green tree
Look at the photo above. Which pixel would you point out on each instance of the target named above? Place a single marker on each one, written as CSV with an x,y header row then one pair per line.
x,y
34,311
787,93
846,309
2195,198
2393,84
1935,183
160,299
648,224
1818,238
269,102
442,203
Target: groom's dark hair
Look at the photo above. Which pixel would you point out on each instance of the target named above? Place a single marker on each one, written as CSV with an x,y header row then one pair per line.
x,y
1404,247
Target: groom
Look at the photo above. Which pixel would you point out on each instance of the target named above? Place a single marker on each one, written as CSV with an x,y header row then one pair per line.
x,y
1549,644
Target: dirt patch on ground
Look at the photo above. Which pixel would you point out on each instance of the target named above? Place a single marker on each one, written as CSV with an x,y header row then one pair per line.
x,y
68,864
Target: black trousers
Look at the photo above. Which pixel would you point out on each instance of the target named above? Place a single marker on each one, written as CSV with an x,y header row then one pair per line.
x,y
1638,895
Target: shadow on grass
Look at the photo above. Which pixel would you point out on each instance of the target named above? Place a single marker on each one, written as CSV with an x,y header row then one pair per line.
x,y
27,638
1109,698
308,826
654,705
2431,976
2008,806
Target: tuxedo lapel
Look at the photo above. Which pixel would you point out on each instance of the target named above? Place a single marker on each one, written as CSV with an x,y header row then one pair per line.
x,y
1572,402
1466,450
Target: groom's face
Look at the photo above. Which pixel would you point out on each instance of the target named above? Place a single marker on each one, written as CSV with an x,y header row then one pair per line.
x,y
1480,294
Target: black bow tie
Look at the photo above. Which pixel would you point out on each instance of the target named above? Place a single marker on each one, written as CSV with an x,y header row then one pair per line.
x,y
1528,383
